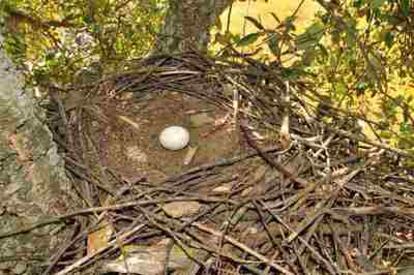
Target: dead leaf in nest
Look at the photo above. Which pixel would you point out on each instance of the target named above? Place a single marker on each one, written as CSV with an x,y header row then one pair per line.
x,y
190,155
259,174
99,238
126,95
202,119
246,192
179,209
285,140
130,122
151,260
134,153
223,189
257,135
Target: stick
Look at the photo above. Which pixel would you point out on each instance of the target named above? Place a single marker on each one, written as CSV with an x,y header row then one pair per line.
x,y
242,247
111,244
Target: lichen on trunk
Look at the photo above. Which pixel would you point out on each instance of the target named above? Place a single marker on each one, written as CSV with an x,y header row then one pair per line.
x,y
33,183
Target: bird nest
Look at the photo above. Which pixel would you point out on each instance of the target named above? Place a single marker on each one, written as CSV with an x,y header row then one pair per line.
x,y
272,182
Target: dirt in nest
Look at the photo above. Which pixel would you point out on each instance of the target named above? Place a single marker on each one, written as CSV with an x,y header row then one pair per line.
x,y
127,134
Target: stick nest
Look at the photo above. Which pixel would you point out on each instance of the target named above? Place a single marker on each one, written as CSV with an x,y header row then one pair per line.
x,y
305,192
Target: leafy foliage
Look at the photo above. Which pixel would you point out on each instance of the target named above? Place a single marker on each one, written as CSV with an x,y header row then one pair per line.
x,y
59,40
359,53
367,54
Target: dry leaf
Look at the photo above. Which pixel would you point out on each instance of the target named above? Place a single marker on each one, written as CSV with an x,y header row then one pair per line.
x,y
179,209
99,238
190,155
150,260
136,154
129,121
223,189
246,191
202,119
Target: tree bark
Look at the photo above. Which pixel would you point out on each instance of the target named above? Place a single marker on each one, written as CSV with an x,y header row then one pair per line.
x,y
33,183
187,23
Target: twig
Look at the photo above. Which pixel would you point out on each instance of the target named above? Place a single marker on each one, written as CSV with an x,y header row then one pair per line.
x,y
285,138
243,247
92,210
320,208
272,162
113,243
329,267
376,210
355,137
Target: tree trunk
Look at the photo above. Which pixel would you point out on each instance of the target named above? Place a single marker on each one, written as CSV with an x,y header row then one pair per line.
x,y
33,182
187,24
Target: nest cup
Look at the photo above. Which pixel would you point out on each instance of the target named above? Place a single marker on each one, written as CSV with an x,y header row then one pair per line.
x,y
284,200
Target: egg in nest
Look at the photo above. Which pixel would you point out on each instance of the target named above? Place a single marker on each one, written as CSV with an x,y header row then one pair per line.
x,y
174,138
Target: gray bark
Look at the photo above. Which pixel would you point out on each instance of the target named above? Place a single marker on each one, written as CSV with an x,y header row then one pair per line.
x,y
187,24
33,182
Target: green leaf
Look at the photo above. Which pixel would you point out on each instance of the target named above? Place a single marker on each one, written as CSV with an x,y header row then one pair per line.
x,y
291,73
375,4
273,44
310,37
389,39
256,23
406,128
87,19
248,39
358,3
341,88
235,38
309,56
405,7
361,86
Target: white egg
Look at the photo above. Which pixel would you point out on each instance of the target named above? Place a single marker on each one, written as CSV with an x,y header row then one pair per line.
x,y
174,138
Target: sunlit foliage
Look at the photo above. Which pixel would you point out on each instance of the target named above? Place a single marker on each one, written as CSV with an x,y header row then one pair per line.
x,y
358,53
362,54
56,41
